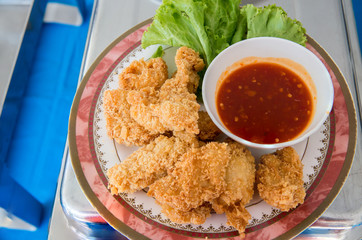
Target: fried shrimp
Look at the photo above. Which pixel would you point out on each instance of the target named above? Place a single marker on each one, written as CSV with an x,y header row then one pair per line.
x,y
239,178
119,123
146,165
197,177
280,179
140,74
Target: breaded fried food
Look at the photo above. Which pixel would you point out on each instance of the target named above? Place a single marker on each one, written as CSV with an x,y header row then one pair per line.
x,y
208,130
119,123
140,74
167,115
147,104
176,108
280,179
179,115
140,100
189,63
197,177
238,217
196,215
146,165
240,177
188,137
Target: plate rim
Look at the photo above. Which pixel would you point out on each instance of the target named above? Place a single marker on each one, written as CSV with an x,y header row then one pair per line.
x,y
117,224
352,118
131,233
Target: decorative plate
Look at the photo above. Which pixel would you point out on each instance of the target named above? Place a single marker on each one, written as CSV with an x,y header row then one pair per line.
x,y
327,157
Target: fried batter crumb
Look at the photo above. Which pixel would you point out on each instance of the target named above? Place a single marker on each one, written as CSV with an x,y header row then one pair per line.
x,y
280,179
146,165
208,130
119,123
198,177
140,74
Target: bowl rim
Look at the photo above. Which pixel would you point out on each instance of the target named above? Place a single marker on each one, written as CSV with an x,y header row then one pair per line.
x,y
302,136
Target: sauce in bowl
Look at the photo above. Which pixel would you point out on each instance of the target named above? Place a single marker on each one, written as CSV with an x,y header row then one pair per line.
x,y
263,101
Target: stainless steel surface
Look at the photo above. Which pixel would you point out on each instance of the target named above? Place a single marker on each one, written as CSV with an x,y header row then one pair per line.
x,y
16,2
355,52
114,17
13,21
58,225
330,22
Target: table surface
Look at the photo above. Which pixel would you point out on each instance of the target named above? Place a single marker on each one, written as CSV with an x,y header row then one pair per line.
x,y
332,27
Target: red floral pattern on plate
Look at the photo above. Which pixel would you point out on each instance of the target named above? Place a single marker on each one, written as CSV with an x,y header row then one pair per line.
x,y
113,207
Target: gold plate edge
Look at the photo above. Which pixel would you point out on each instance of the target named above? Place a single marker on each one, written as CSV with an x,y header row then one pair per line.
x,y
90,195
132,234
347,164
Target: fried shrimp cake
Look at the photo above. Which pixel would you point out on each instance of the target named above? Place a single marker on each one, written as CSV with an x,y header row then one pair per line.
x,y
140,74
140,100
240,176
198,177
189,63
208,130
119,123
280,179
176,108
146,165
196,215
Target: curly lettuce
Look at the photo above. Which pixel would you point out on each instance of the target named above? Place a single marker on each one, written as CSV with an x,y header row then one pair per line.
x,y
158,53
203,25
269,21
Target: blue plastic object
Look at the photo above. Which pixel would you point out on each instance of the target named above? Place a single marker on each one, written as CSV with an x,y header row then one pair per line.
x,y
357,9
80,4
34,122
23,210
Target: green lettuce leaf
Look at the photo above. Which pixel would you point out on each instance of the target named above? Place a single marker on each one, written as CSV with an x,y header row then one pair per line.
x,y
203,25
241,28
269,21
221,19
158,53
178,23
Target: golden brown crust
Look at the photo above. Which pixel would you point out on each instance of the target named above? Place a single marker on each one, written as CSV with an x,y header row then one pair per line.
x,y
140,74
208,130
196,216
240,177
178,107
198,177
146,165
171,107
119,123
189,63
280,179
140,111
188,137
238,217
147,104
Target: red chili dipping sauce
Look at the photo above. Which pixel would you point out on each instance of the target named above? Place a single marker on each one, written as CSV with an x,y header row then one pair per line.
x,y
264,102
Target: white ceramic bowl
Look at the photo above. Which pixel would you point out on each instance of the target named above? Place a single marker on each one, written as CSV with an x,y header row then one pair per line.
x,y
275,48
